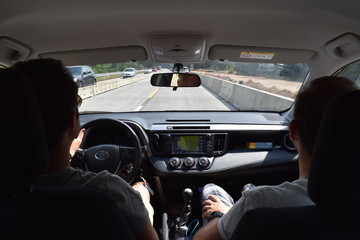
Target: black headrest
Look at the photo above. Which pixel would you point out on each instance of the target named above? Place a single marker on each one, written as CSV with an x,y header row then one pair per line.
x,y
23,145
334,181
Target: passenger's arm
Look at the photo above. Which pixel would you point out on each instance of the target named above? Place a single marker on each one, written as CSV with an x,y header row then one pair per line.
x,y
209,231
213,204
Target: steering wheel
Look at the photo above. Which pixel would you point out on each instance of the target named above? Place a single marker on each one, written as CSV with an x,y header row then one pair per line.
x,y
110,157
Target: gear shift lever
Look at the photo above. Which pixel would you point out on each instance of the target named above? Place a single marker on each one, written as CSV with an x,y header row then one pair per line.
x,y
178,226
184,216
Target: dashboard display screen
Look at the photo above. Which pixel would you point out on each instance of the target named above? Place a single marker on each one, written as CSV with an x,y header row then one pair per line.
x,y
191,143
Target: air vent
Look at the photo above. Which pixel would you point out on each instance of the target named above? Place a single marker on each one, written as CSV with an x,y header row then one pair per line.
x,y
156,142
219,142
187,120
190,127
287,143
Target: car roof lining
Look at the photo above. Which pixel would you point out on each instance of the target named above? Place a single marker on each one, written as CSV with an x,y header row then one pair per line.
x,y
43,29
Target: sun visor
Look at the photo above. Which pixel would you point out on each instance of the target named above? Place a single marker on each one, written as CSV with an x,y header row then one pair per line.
x,y
259,54
99,55
177,48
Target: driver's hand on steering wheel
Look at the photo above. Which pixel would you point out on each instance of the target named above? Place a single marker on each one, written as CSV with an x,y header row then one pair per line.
x,y
75,145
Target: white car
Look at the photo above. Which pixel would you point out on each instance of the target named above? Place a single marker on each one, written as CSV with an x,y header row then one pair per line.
x,y
147,70
129,72
184,70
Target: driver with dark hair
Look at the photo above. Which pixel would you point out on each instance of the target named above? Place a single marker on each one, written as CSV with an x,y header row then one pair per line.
x,y
188,80
59,101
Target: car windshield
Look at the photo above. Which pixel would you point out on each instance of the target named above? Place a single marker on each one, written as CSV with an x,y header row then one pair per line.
x,y
74,70
128,70
225,86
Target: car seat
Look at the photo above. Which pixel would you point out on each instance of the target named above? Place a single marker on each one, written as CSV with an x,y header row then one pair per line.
x,y
333,185
30,211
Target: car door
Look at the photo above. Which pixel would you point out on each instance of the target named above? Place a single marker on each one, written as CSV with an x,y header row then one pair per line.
x,y
87,76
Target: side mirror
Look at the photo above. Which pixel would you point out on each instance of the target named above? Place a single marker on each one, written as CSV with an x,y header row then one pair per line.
x,y
175,80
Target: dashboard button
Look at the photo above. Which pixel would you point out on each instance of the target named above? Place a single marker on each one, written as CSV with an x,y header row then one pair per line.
x,y
189,162
204,162
174,162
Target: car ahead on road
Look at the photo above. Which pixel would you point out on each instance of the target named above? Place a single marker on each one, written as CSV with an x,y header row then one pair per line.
x,y
129,72
147,70
233,128
83,75
184,70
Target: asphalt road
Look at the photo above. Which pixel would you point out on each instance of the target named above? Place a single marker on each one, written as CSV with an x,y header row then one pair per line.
x,y
141,96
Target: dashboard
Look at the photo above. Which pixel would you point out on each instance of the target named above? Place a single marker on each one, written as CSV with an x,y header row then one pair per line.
x,y
201,143
107,135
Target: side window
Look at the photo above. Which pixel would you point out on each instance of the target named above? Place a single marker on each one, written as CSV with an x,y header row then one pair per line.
x,y
88,70
351,71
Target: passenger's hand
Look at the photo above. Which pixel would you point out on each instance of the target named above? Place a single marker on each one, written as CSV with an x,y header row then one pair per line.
x,y
75,145
213,204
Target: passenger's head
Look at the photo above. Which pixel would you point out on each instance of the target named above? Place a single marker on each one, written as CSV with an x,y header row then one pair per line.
x,y
57,94
310,104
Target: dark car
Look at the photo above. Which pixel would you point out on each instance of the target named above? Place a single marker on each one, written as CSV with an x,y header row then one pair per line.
x,y
83,75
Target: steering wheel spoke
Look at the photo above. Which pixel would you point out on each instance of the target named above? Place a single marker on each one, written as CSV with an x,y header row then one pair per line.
x,y
127,154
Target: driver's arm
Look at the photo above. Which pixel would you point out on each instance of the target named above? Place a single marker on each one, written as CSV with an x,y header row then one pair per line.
x,y
145,196
75,145
147,233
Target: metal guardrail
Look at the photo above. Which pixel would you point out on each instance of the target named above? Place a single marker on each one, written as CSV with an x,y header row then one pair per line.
x,y
106,76
115,73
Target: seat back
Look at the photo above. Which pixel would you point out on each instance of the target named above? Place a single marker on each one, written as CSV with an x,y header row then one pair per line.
x,y
29,211
334,182
23,146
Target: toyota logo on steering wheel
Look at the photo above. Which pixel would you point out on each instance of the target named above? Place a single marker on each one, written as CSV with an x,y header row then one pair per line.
x,y
102,155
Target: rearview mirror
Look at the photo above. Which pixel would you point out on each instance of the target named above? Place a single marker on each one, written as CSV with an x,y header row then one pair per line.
x,y
175,80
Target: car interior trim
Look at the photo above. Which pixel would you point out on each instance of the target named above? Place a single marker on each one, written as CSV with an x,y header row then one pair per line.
x,y
219,127
93,56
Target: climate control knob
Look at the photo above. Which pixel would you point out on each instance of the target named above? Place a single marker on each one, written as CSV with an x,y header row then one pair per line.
x,y
174,162
189,162
204,162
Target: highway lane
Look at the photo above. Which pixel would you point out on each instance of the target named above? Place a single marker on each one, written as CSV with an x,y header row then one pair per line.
x,y
192,99
141,96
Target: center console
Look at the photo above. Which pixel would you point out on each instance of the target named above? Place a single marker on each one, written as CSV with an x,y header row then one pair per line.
x,y
188,150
